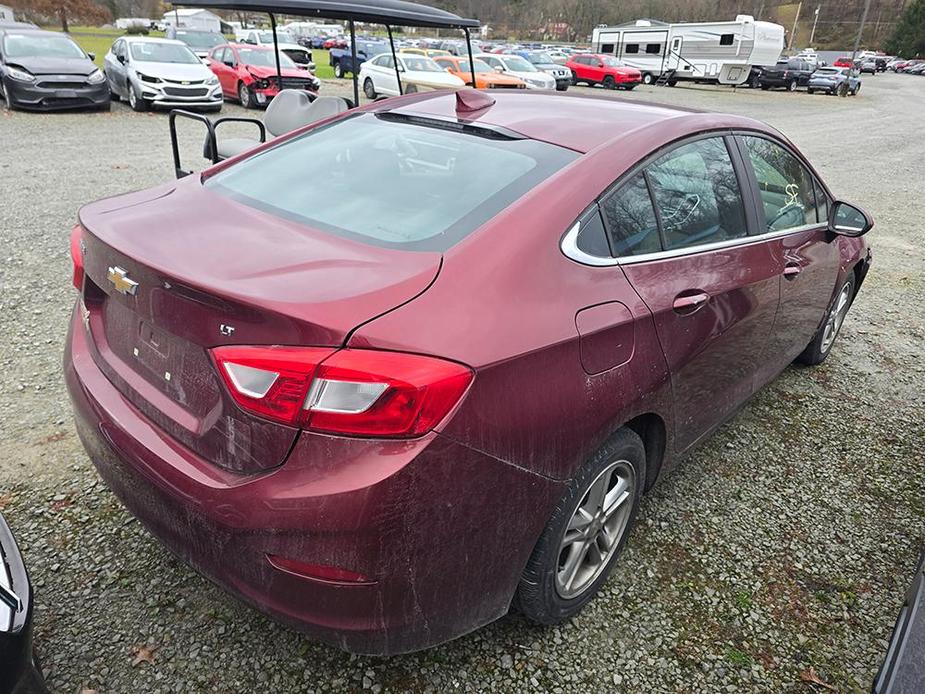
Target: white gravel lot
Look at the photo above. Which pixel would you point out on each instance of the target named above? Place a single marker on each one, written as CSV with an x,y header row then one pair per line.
x,y
783,545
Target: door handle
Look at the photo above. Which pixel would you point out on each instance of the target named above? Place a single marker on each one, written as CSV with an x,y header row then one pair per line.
x,y
791,270
689,303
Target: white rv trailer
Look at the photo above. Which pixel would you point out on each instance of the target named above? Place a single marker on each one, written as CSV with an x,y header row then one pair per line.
x,y
711,51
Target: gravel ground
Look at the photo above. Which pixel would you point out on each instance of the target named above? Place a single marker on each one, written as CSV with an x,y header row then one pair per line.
x,y
781,547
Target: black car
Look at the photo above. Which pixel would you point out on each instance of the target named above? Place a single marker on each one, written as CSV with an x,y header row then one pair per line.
x,y
788,74
903,669
47,70
19,673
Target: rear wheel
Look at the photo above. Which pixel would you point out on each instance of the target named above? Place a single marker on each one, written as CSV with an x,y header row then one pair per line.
x,y
338,71
792,86
369,88
810,90
821,345
647,78
609,82
245,96
587,532
855,91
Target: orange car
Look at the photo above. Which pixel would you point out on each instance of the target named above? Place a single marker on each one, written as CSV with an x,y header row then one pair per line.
x,y
485,76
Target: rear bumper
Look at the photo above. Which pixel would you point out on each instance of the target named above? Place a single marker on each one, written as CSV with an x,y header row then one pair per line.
x,y
18,672
442,531
28,95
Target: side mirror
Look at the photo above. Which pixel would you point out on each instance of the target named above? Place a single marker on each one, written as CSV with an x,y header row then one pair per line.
x,y
499,69
229,63
849,220
600,64
120,58
449,69
92,56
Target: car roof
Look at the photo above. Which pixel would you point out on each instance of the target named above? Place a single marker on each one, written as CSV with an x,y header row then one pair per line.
x,y
36,32
577,122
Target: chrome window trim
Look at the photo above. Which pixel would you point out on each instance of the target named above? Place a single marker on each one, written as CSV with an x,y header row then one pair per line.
x,y
6,613
569,246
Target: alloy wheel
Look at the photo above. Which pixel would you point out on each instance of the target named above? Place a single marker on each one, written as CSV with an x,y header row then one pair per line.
x,y
836,317
595,529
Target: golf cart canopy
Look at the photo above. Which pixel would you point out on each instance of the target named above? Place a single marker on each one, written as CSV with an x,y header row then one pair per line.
x,y
389,12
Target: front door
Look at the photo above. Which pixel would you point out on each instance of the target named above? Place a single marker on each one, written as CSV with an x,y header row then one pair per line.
x,y
795,208
674,55
712,290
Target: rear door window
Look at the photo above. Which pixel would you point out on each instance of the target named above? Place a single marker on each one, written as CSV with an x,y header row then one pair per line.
x,y
784,185
697,195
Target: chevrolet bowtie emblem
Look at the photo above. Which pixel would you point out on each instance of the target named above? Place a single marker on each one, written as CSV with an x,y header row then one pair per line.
x,y
120,280
184,83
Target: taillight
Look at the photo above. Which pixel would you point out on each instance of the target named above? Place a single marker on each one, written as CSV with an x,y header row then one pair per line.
x,y
77,257
352,392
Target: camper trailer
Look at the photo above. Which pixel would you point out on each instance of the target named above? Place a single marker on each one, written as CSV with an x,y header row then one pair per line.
x,y
721,52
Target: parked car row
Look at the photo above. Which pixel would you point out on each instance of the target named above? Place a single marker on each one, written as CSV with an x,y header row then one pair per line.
x,y
799,71
48,70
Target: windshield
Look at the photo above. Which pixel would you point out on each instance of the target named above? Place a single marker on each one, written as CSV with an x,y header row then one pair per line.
x,y
612,62
828,71
281,37
539,58
389,182
262,57
464,66
517,64
201,39
40,46
419,63
151,52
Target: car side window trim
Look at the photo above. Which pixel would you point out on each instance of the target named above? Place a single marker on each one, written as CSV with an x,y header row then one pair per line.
x,y
748,187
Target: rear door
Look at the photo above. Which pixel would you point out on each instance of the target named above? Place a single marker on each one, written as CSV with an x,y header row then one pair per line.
x,y
794,209
681,228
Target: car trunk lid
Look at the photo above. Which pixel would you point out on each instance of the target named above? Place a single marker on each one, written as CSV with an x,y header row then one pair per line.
x,y
174,271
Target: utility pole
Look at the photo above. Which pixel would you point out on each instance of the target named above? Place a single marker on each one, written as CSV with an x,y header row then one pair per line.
x,y
796,18
857,41
815,22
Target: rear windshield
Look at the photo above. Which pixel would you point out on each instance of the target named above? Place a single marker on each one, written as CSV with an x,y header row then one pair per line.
x,y
394,184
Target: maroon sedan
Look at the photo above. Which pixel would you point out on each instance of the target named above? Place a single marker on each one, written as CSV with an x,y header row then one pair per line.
x,y
388,403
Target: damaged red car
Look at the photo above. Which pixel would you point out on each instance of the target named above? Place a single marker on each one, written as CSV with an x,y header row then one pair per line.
x,y
389,405
248,73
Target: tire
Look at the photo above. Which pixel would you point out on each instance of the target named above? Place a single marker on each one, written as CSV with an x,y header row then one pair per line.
x,y
672,83
754,82
338,71
245,96
792,86
843,89
765,87
574,79
647,78
369,88
609,82
630,87
138,104
562,87
857,89
810,90
821,345
546,594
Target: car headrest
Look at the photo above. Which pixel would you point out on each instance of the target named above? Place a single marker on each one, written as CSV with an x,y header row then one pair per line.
x,y
294,108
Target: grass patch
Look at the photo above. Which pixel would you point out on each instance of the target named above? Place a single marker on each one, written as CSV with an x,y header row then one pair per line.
x,y
738,658
743,600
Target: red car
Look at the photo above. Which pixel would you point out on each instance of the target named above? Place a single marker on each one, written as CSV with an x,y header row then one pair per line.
x,y
386,403
248,73
844,61
592,69
334,43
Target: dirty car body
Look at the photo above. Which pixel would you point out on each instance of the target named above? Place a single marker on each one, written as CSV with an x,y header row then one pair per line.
x,y
357,409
